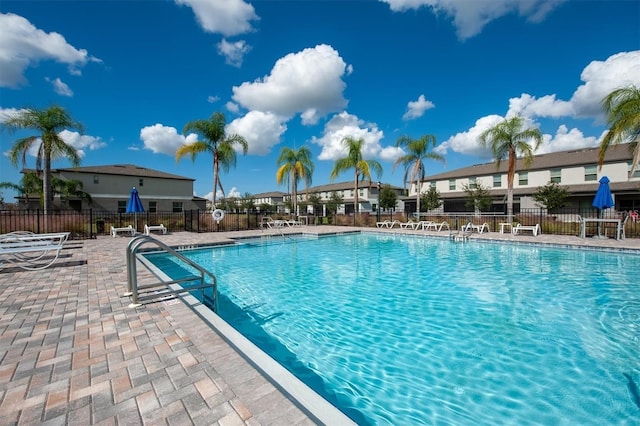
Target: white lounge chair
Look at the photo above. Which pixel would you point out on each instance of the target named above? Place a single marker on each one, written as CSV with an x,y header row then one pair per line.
x,y
409,224
471,227
387,223
31,251
154,228
125,230
535,229
434,226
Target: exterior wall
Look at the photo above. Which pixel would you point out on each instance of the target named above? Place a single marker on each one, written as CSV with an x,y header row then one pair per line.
x,y
110,189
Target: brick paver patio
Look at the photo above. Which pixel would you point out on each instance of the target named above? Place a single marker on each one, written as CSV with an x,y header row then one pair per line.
x,y
73,353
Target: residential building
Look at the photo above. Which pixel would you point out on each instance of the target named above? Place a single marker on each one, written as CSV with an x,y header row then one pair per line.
x,y
109,187
368,194
575,170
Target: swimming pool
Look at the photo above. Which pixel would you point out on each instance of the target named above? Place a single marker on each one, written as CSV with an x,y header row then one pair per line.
x,y
411,330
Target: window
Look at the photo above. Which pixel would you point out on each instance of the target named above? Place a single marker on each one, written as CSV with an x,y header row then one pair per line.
x,y
96,179
556,175
523,178
360,192
122,206
177,206
635,174
140,182
497,181
590,173
452,184
432,185
153,208
473,184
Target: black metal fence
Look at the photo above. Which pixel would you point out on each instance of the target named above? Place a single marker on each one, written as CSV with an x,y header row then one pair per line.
x,y
91,223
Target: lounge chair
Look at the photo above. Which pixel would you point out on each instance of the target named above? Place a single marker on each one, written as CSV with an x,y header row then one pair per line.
x,y
535,229
387,223
434,226
154,228
409,224
126,230
471,227
31,251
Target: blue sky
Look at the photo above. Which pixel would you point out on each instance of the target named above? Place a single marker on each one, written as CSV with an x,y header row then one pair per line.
x,y
293,73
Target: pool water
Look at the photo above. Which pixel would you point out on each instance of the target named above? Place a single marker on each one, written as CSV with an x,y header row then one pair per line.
x,y
413,330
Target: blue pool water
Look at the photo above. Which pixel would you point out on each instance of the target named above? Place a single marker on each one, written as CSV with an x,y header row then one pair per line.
x,y
411,330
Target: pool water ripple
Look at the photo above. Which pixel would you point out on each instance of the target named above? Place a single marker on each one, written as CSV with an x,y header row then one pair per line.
x,y
403,330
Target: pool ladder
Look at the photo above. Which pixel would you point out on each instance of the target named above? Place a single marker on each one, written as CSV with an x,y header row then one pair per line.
x,y
163,288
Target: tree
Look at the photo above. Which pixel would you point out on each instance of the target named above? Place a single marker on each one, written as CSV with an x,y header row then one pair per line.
x,y
362,168
506,140
622,107
479,197
316,203
295,165
388,198
335,201
431,199
552,196
217,142
246,203
48,123
413,160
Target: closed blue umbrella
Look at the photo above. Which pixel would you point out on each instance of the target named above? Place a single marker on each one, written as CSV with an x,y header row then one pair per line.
x,y
134,205
603,199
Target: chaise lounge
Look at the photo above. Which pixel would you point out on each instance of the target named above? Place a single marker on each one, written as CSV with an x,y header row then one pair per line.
x,y
125,230
31,251
535,229
154,228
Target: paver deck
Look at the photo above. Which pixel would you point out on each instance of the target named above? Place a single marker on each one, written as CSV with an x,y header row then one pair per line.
x,y
73,353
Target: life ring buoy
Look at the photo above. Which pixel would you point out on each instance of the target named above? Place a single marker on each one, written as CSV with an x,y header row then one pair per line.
x,y
218,215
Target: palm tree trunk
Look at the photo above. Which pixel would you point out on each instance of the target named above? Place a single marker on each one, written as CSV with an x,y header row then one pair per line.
x,y
510,205
418,199
215,178
356,205
294,193
46,190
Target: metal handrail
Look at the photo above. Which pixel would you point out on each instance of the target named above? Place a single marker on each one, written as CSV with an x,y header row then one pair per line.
x,y
172,286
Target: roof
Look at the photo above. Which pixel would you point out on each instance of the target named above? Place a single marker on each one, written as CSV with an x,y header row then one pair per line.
x,y
341,186
576,157
123,170
271,194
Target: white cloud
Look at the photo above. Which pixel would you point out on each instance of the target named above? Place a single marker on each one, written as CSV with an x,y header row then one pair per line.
x,y
233,52
59,87
416,109
6,113
599,77
22,45
226,17
261,130
232,107
467,142
308,82
347,125
81,142
470,17
164,139
233,193
213,99
566,139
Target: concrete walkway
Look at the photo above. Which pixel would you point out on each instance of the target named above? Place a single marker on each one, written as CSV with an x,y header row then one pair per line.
x,y
73,353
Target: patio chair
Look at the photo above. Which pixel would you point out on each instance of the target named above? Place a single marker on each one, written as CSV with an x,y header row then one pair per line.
x,y
535,229
471,227
387,223
30,251
125,230
154,228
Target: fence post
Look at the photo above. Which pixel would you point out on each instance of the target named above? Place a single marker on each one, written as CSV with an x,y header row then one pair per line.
x,y
90,223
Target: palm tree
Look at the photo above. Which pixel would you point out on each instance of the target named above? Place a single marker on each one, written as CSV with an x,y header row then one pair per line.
x,y
215,141
507,139
295,165
622,107
362,168
413,161
48,123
